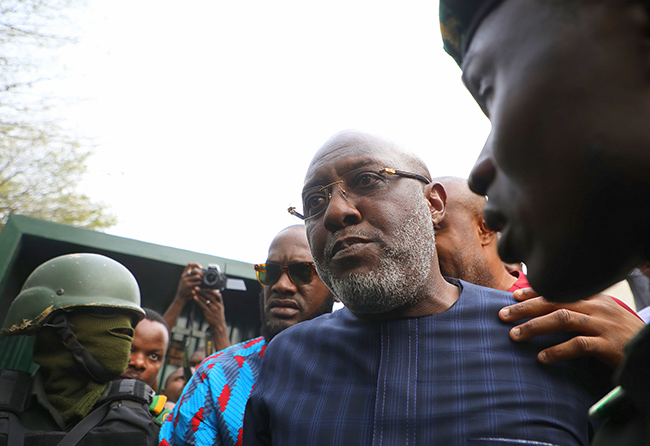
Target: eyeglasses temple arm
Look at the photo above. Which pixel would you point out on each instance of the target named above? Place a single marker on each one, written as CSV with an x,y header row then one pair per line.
x,y
402,173
292,210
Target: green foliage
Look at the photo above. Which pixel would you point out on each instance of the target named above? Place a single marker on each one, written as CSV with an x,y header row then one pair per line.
x,y
38,178
41,165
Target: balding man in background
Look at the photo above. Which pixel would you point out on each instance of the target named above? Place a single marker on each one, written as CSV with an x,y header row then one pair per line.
x,y
467,248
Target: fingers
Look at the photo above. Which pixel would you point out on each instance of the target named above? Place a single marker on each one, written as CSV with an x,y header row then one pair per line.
x,y
193,265
603,325
530,307
193,270
190,278
206,298
600,306
591,342
601,348
573,348
204,303
211,303
525,294
559,320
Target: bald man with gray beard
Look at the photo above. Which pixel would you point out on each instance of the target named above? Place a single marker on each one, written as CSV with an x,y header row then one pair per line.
x,y
413,358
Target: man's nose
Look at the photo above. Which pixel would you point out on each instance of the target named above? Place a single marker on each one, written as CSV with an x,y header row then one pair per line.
x,y
284,285
483,173
136,361
340,211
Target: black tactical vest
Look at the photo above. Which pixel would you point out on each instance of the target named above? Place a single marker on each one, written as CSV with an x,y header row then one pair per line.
x,y
127,414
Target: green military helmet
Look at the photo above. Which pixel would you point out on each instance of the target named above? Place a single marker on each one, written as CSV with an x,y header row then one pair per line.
x,y
68,282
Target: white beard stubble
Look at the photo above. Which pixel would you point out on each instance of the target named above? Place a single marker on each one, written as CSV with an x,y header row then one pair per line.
x,y
399,280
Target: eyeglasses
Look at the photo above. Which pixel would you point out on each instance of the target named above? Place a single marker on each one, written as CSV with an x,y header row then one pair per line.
x,y
299,273
351,185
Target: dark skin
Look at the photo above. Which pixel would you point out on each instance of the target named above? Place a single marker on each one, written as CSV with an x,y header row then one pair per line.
x,y
197,358
566,164
174,387
337,225
189,290
467,249
147,352
286,303
603,324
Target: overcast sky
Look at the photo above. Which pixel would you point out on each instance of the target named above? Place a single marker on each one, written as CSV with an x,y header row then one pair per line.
x,y
206,113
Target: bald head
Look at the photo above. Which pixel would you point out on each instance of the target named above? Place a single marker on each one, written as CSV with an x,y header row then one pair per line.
x,y
285,302
295,233
357,145
370,209
460,199
467,249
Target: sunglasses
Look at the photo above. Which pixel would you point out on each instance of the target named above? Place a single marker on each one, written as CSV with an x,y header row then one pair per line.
x,y
299,273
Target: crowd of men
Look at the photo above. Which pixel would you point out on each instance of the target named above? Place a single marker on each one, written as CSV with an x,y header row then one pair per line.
x,y
438,341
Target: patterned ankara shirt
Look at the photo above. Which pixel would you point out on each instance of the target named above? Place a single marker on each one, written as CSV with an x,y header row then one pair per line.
x,y
211,408
455,378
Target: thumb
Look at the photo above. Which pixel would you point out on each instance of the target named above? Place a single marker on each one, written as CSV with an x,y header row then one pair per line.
x,y
525,294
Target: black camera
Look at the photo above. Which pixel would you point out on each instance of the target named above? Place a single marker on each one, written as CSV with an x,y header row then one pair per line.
x,y
213,278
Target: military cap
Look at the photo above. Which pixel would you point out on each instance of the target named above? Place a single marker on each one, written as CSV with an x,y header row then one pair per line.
x,y
458,21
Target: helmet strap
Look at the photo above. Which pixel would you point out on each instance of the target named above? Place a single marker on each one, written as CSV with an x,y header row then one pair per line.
x,y
82,357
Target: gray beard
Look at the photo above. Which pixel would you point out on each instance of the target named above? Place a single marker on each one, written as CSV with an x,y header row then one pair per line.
x,y
401,276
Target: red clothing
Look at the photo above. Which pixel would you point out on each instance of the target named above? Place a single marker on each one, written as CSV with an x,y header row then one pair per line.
x,y
624,305
522,282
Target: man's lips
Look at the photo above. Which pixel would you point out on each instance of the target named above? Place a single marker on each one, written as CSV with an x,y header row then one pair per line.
x,y
283,308
347,245
508,246
130,374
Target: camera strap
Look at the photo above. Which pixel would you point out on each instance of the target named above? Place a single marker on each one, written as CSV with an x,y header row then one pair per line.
x,y
187,369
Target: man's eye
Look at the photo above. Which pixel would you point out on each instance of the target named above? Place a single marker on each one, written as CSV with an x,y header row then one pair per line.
x,y
123,331
367,181
484,95
314,202
155,356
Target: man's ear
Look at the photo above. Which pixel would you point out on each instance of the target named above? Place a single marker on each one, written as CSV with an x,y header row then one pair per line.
x,y
485,234
437,197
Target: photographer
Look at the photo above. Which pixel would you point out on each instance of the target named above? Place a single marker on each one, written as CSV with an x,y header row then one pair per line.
x,y
208,300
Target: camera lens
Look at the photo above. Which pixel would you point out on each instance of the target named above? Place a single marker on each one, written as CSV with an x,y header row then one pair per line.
x,y
213,278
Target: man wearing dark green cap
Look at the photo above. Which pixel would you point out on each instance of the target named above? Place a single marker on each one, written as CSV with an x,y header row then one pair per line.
x,y
82,309
566,167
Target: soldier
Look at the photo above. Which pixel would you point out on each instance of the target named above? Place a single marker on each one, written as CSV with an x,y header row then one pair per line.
x,y
82,309
566,165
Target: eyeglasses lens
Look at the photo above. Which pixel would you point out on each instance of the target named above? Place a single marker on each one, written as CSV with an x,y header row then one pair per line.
x,y
299,273
268,273
354,184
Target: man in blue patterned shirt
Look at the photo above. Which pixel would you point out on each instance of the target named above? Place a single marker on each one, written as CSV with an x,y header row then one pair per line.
x,y
211,409
413,359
